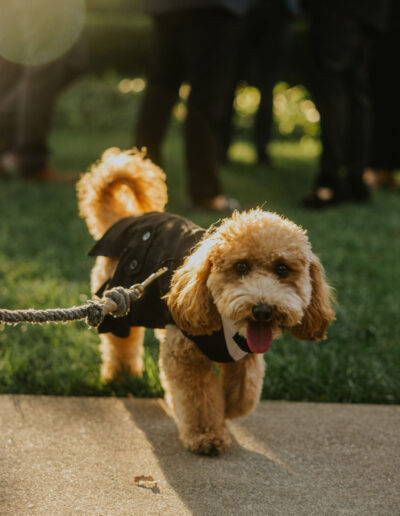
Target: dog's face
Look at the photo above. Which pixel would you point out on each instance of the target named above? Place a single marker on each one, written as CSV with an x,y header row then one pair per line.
x,y
261,280
258,270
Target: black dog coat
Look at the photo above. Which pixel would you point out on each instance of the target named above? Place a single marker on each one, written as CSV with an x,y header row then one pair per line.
x,y
143,244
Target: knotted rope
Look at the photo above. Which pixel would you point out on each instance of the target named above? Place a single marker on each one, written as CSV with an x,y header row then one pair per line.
x,y
116,301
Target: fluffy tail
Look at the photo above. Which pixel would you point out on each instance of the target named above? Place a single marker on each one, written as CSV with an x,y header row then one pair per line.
x,y
121,184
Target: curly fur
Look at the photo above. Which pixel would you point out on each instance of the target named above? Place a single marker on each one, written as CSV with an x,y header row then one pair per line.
x,y
120,184
205,288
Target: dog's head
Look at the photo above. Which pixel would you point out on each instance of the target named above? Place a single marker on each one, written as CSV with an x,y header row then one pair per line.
x,y
258,270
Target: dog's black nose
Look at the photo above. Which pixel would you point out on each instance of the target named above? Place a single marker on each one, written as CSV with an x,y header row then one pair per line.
x,y
262,312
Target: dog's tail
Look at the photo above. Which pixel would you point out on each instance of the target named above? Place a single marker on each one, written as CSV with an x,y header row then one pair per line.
x,y
121,184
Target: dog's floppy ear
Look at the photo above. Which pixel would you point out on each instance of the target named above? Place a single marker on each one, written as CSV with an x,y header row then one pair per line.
x,y
319,314
189,299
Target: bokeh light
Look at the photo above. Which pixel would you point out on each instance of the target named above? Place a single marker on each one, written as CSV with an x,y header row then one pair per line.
x,y
243,152
136,85
35,32
124,86
180,111
295,114
184,91
247,100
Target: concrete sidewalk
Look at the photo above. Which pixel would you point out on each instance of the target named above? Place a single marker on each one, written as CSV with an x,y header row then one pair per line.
x,y
82,456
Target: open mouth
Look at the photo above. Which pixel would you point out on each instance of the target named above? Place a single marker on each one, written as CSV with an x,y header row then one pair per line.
x,y
259,336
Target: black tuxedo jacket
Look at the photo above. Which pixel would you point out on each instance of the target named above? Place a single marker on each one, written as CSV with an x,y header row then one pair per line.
x,y
143,244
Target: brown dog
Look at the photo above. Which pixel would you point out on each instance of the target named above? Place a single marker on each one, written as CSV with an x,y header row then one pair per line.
x,y
230,291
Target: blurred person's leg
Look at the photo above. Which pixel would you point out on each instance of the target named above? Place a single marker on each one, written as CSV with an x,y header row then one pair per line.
x,y
272,24
334,43
247,41
39,90
360,130
209,42
10,76
164,80
384,157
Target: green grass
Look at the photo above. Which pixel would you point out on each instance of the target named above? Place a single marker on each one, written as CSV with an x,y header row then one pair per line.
x,y
43,263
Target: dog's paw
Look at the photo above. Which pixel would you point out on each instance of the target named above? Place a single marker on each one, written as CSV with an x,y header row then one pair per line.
x,y
208,443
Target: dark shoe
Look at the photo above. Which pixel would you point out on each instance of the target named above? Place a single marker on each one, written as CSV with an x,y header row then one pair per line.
x,y
358,192
322,197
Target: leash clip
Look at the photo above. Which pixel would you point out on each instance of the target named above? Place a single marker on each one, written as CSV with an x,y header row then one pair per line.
x,y
139,288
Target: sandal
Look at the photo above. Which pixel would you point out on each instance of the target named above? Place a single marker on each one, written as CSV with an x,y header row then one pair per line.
x,y
321,197
49,175
219,204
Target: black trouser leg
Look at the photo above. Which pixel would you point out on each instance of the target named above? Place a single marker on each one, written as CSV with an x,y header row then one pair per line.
x,y
360,131
338,83
39,89
164,79
209,39
10,78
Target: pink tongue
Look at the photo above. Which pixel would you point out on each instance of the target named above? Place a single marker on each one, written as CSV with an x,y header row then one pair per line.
x,y
259,337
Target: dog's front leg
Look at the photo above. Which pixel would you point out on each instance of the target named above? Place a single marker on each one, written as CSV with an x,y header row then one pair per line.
x,y
195,393
242,381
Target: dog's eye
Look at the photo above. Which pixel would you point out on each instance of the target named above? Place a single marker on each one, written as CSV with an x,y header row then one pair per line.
x,y
242,268
281,270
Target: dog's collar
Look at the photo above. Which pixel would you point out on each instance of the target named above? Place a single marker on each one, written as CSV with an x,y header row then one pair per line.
x,y
236,345
225,345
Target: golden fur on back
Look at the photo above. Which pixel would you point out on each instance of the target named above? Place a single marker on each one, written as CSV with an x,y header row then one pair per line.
x,y
206,288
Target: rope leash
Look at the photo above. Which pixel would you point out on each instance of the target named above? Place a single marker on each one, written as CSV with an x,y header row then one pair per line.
x,y
116,301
